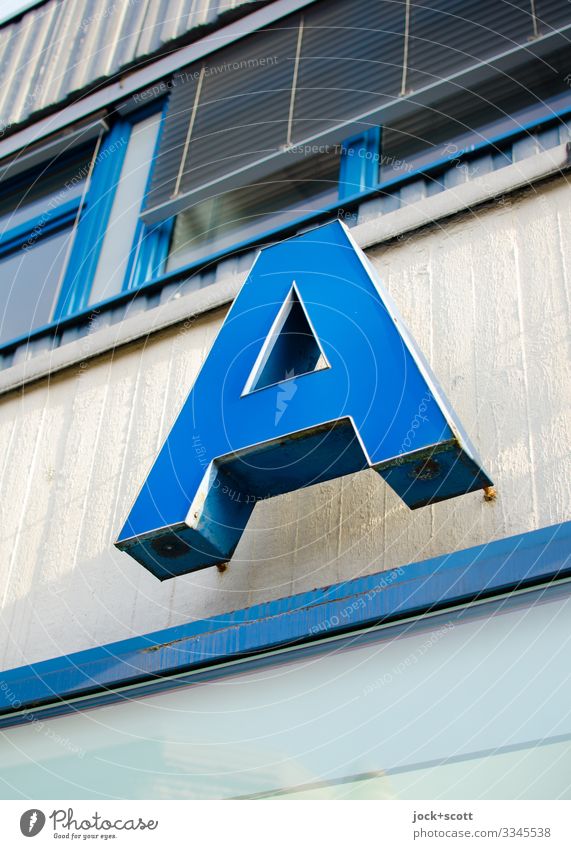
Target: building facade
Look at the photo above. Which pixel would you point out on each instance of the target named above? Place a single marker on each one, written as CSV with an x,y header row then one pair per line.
x,y
351,648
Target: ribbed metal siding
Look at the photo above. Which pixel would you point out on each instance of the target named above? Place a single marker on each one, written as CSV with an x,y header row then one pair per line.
x,y
63,46
351,58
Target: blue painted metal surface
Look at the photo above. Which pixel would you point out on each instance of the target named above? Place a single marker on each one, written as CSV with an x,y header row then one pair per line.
x,y
76,286
236,441
496,567
148,254
360,157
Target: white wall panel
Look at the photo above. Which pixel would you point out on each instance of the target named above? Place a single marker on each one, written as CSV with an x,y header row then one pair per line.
x,y
486,296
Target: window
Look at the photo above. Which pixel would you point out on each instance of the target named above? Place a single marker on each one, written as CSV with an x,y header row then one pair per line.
x,y
324,73
116,261
67,225
106,253
37,216
291,349
28,197
231,217
451,706
284,125
469,119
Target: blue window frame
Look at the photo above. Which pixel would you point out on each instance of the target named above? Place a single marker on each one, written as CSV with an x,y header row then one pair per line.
x,y
360,156
148,249
91,227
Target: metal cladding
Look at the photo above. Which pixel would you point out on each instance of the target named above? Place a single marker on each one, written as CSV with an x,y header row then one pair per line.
x,y
64,46
312,376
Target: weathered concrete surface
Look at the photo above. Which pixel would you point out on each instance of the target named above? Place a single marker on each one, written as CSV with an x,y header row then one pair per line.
x,y
487,298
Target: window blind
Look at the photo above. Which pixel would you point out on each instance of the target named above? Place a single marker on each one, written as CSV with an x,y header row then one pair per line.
x,y
310,75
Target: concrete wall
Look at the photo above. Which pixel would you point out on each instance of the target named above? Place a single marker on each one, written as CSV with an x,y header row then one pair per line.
x,y
486,296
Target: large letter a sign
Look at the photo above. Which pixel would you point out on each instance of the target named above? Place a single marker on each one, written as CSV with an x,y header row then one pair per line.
x,y
311,377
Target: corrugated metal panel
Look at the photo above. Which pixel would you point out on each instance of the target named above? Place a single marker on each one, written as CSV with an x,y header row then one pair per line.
x,y
63,46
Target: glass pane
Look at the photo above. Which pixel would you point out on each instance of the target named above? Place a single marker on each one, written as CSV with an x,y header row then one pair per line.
x,y
23,200
120,232
466,120
29,282
243,213
472,703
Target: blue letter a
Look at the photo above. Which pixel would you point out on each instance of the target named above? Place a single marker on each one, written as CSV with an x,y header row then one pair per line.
x,y
311,377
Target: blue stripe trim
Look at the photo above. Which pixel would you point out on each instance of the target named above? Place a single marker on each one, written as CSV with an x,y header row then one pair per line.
x,y
483,571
